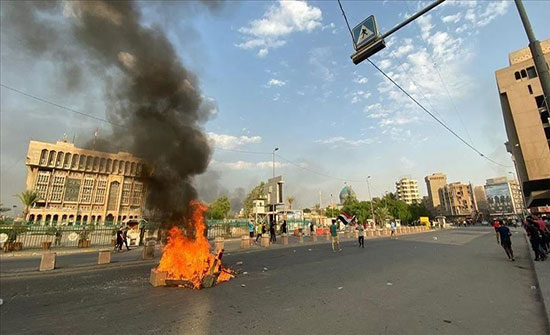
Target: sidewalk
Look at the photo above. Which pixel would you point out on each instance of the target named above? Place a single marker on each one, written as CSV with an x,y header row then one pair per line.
x,y
542,274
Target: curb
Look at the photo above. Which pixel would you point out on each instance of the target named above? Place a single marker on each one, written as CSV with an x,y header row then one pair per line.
x,y
545,298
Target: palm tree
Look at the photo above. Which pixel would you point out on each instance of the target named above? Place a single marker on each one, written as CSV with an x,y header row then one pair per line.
x,y
28,198
382,214
290,200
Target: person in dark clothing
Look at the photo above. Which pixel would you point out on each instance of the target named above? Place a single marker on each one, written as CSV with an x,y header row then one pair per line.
x,y
535,238
118,244
311,227
125,238
272,237
504,239
283,227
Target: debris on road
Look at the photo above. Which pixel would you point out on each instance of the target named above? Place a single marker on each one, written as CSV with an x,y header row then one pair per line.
x,y
265,269
340,287
243,285
239,263
447,321
245,273
389,284
435,238
308,249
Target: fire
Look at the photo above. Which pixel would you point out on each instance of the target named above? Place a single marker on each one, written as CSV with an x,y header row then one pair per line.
x,y
189,259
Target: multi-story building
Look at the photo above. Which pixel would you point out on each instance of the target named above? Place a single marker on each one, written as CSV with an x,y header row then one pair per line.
x,y
80,186
481,201
504,197
434,183
458,200
407,191
526,118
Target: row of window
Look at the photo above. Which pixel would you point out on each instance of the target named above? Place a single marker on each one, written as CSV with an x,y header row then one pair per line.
x,y
529,73
89,163
77,220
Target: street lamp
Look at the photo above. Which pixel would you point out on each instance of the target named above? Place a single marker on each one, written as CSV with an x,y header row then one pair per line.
x,y
370,199
274,161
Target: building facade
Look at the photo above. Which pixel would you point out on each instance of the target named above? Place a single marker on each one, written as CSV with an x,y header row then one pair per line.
x,y
407,191
526,119
481,201
434,183
79,186
458,200
504,198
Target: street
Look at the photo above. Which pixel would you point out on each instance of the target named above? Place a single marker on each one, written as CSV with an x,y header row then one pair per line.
x,y
458,283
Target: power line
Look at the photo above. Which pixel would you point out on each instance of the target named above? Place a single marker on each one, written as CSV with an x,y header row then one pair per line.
x,y
434,117
347,23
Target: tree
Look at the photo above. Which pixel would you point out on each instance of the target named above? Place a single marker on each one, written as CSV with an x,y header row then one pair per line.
x,y
255,193
290,200
381,214
28,198
332,212
360,209
4,209
307,210
418,210
219,209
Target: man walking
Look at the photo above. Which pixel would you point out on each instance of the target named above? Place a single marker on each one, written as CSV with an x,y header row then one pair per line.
x,y
504,239
334,235
251,229
535,238
272,237
361,229
259,229
393,233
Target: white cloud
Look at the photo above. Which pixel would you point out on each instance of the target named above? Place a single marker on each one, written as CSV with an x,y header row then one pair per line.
x,y
359,96
280,20
276,82
318,57
337,140
245,165
452,18
405,48
360,80
492,11
229,141
384,64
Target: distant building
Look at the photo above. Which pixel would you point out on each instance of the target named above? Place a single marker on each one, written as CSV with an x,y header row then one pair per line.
x,y
526,119
346,192
79,186
504,198
434,183
481,201
458,200
407,191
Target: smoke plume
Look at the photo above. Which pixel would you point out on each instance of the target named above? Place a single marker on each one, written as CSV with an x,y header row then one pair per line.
x,y
153,100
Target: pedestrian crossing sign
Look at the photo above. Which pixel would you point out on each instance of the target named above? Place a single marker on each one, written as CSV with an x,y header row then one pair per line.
x,y
365,32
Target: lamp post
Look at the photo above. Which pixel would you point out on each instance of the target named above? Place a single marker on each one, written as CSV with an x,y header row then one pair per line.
x,y
273,154
370,199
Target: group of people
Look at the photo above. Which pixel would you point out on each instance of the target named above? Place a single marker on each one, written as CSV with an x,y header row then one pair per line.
x,y
121,238
261,229
538,230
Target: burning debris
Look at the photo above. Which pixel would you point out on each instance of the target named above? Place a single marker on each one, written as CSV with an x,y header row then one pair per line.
x,y
186,260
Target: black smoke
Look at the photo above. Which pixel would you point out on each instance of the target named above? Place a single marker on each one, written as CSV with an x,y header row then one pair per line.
x,y
153,101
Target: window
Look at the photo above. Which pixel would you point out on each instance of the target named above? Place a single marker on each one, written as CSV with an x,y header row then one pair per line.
x,y
540,101
530,89
67,163
126,191
517,75
59,160
44,157
96,164
523,74
89,163
42,183
81,162
74,164
58,185
51,159
87,188
531,72
136,194
109,164
100,191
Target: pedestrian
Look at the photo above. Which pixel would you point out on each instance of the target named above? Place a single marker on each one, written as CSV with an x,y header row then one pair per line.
x,y
259,230
535,238
119,235
283,227
141,232
393,232
251,229
545,234
58,236
311,228
504,239
272,237
125,238
334,235
361,228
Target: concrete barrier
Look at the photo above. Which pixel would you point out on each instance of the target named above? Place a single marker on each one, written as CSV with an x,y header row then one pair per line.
x,y
148,250
313,237
157,278
300,238
265,241
327,236
284,239
346,233
377,233
356,234
219,243
370,233
47,263
104,256
245,242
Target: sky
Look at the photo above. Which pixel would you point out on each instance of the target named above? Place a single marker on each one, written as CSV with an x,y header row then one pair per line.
x,y
279,74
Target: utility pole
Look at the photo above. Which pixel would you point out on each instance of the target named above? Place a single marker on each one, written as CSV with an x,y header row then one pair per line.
x,y
536,52
274,161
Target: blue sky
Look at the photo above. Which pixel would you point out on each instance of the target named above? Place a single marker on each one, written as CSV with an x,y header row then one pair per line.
x,y
281,76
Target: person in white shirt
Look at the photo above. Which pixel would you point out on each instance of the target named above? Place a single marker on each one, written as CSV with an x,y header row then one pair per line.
x,y
393,232
361,228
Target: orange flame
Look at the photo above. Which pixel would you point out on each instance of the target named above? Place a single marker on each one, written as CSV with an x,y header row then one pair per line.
x,y
190,259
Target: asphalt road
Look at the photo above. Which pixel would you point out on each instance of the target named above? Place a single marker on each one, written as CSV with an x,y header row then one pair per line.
x,y
460,283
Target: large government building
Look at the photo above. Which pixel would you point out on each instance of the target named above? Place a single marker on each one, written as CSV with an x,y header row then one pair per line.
x,y
79,186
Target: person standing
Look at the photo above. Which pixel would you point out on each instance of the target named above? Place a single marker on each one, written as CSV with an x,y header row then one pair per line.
x,y
251,229
283,227
361,228
272,237
535,238
311,228
393,234
504,239
118,239
259,230
334,235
